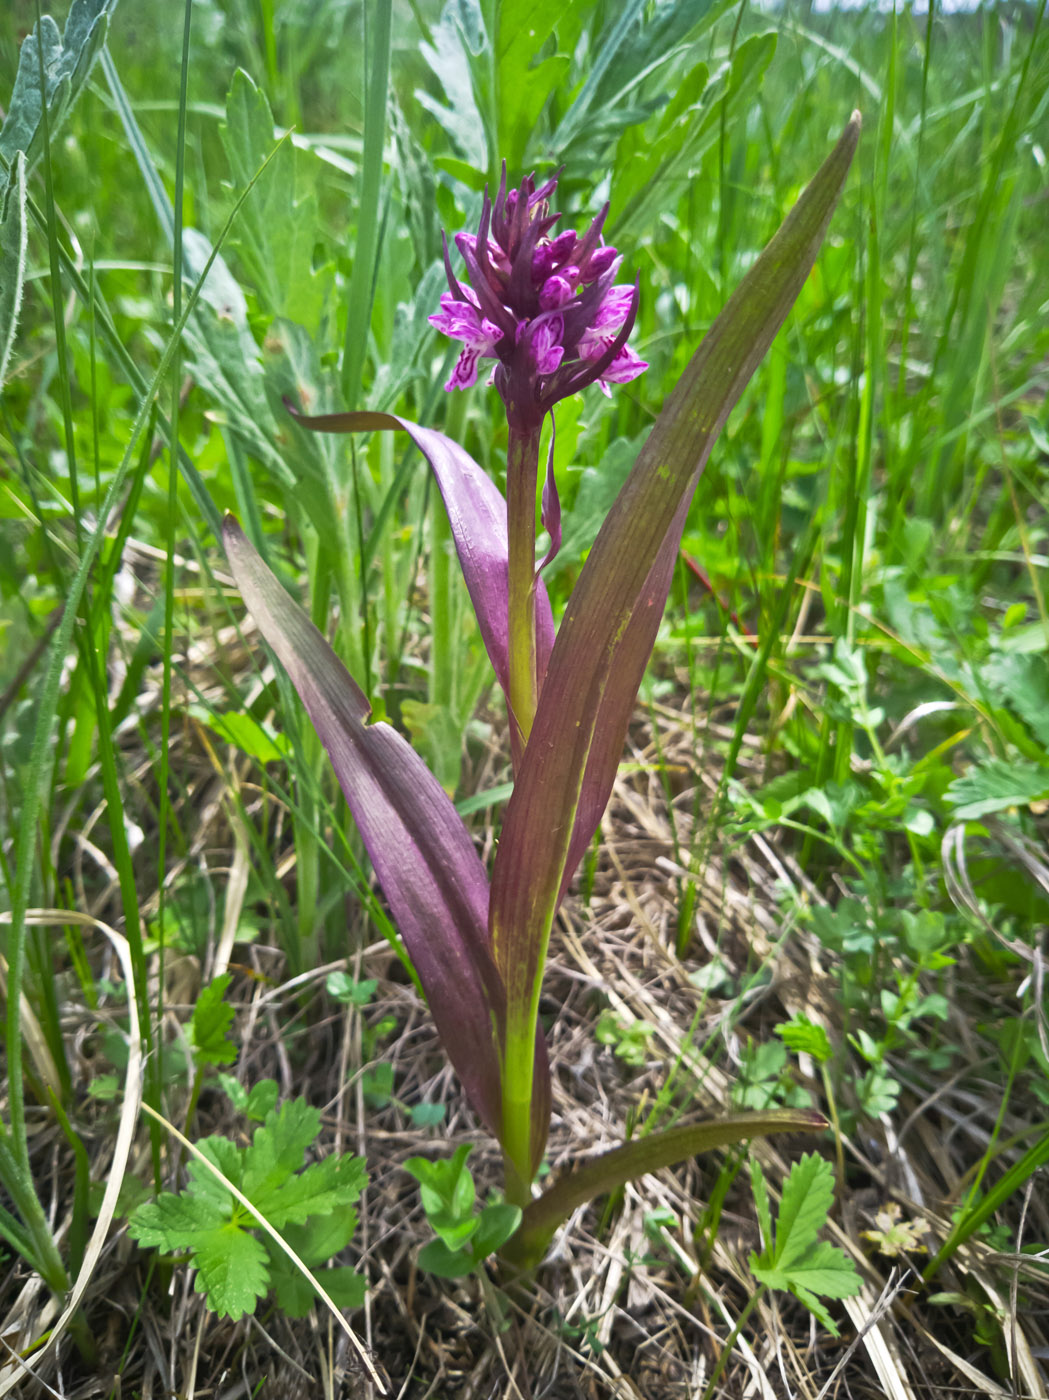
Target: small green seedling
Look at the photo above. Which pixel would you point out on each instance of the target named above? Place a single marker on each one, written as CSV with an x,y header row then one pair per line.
x,y
312,1206
794,1259
464,1239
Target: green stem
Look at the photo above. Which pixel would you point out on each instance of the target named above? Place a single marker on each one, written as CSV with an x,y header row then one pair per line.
x,y
522,474
730,1342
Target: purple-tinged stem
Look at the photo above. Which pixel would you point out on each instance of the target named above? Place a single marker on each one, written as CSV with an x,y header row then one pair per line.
x,y
522,473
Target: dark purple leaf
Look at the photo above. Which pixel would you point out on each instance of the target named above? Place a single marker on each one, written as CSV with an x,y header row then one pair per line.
x,y
430,873
477,516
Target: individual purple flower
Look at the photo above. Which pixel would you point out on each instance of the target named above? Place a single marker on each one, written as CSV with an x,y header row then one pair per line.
x,y
463,321
544,306
603,333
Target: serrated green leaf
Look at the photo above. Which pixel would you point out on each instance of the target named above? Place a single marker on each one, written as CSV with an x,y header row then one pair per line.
x,y
806,1201
322,1236
229,1159
232,1270
210,1023
295,1294
318,1190
995,785
826,1270
344,1286
173,1223
805,1038
278,1148
816,1308
262,1099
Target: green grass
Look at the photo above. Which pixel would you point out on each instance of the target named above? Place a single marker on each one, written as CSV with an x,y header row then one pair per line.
x,y
872,522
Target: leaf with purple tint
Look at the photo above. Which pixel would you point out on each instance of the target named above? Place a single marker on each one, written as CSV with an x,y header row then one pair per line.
x,y
602,644
609,1170
477,517
431,875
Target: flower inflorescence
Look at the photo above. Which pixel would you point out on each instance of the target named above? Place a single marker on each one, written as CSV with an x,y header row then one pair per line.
x,y
545,307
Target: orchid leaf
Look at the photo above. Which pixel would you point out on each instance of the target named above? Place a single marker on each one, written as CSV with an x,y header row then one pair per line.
x,y
477,517
607,1172
603,641
432,877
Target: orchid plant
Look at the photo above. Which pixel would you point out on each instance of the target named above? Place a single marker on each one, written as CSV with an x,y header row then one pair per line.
x,y
546,309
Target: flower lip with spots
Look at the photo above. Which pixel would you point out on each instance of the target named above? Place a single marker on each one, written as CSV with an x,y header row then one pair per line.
x,y
544,306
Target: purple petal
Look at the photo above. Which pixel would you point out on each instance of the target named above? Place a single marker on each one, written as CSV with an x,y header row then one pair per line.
x,y
545,344
556,291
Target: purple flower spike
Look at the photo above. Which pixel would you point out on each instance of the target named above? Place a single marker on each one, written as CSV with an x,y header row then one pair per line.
x,y
542,304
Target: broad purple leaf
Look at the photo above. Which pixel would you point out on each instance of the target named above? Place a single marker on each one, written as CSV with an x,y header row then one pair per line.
x,y
430,873
477,516
602,645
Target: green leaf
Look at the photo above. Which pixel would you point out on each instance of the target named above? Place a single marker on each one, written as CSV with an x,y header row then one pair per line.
x,y
279,1147
231,1263
348,990
295,1294
427,1115
233,1270
437,1258
278,224
524,81
245,733
322,1235
68,58
805,1038
497,1222
12,258
174,1223
321,1188
795,1260
807,1197
454,1230
995,785
262,1099
210,1022
445,1185
613,1169
203,1184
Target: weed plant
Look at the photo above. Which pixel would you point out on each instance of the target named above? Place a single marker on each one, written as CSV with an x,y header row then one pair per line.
x,y
837,778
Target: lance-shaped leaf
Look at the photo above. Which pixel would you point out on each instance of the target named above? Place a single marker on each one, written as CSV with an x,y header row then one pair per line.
x,y
610,1170
611,620
477,517
430,873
